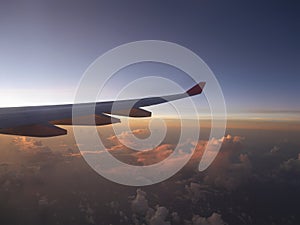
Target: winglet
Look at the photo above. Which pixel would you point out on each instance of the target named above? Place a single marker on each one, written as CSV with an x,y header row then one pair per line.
x,y
197,89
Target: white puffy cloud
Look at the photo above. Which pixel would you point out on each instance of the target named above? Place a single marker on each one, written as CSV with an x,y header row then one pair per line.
x,y
143,212
159,217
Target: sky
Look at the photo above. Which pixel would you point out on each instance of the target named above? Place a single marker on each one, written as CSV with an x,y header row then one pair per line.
x,y
251,46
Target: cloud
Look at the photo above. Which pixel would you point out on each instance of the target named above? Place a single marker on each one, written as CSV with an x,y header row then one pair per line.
x,y
88,212
159,217
43,201
275,149
143,212
196,191
147,155
158,154
233,139
139,204
128,138
291,165
229,145
214,219
231,175
30,145
36,156
231,167
186,193
175,218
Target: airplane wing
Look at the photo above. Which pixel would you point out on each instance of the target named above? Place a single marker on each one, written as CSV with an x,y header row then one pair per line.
x,y
41,121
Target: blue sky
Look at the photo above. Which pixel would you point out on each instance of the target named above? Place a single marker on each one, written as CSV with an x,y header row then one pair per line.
x,y
251,46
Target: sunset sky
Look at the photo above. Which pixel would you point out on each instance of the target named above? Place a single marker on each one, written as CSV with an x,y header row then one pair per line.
x,y
253,51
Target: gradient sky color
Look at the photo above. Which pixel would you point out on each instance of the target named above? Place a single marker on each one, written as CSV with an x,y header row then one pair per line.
x,y
252,46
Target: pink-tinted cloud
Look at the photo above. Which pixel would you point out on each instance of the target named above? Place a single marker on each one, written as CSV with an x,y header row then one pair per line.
x,y
29,145
158,154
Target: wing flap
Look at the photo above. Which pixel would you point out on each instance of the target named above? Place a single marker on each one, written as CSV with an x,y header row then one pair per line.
x,y
133,112
35,130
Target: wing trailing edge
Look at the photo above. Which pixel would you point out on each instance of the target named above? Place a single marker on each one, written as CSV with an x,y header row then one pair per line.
x,y
35,130
133,112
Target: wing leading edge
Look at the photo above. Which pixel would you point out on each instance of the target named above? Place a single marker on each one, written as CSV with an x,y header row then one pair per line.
x,y
40,121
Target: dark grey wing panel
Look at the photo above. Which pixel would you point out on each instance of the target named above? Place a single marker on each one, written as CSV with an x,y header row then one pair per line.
x,y
98,120
35,130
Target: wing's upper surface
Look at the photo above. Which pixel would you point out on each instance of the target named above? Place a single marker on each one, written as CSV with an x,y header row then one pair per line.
x,y
40,121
